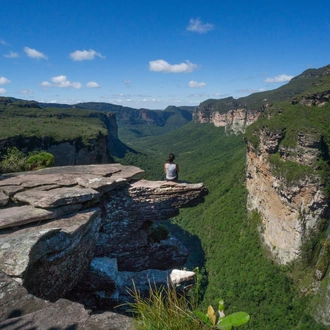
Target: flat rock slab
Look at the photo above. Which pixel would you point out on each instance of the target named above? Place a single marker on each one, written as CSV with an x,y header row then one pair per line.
x,y
16,245
102,184
16,216
57,197
77,170
21,215
163,187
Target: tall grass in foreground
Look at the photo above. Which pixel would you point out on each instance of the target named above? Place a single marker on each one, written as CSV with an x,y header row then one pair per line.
x,y
164,309
167,309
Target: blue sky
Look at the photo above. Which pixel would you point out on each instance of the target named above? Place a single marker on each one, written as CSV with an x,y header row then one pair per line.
x,y
151,54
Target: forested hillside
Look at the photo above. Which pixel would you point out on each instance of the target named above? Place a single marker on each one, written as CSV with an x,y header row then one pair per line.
x,y
136,123
235,263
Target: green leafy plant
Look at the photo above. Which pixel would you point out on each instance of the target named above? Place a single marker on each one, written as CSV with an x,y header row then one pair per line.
x,y
219,320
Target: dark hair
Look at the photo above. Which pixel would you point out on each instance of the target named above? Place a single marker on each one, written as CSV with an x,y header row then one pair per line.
x,y
171,158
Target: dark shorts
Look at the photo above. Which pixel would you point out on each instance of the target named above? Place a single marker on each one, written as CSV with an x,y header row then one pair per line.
x,y
173,180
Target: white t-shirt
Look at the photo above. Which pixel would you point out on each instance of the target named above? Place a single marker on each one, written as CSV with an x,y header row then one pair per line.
x,y
170,171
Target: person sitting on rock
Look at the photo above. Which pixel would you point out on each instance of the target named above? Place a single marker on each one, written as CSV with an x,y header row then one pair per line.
x,y
171,169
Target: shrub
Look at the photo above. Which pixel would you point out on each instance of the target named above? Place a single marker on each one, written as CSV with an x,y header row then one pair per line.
x,y
13,161
39,160
16,161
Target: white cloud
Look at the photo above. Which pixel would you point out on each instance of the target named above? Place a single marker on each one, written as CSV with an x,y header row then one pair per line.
x,y
92,84
26,91
278,79
195,84
196,25
45,84
2,42
163,66
127,82
82,55
4,81
33,53
63,82
3,91
11,55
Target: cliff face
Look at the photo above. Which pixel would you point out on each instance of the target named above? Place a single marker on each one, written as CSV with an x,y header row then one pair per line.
x,y
235,120
73,151
287,182
229,113
84,232
291,211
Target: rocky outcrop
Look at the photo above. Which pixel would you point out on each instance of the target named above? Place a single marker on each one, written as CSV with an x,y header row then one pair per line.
x,y
84,232
317,99
290,211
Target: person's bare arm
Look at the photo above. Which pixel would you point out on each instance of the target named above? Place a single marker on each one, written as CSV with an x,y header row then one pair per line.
x,y
165,168
177,168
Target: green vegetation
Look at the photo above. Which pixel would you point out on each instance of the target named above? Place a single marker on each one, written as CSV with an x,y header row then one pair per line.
x,y
222,105
27,119
164,309
39,159
312,80
290,172
167,309
136,123
291,119
16,161
219,320
234,260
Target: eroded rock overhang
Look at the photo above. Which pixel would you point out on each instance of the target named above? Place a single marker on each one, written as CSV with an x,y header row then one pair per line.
x,y
55,221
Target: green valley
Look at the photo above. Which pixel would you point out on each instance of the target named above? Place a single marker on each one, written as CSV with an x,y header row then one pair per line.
x,y
236,265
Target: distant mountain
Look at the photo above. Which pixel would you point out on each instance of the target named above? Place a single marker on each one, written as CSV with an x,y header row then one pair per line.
x,y
134,123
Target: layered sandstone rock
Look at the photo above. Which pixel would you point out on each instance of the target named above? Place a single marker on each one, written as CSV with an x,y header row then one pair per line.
x,y
290,212
84,232
228,113
235,120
